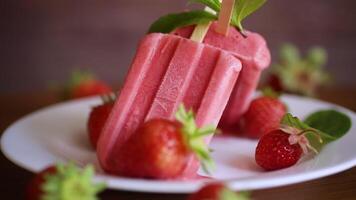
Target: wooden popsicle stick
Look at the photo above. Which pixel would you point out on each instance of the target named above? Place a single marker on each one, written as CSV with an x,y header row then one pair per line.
x,y
200,31
227,7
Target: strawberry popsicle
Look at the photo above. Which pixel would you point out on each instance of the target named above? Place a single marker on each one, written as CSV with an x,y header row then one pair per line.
x,y
254,55
169,70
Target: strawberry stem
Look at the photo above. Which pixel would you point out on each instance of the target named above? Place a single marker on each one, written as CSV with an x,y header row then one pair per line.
x,y
194,137
108,98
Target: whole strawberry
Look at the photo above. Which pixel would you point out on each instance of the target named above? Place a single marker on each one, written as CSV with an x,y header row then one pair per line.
x,y
274,151
217,191
161,148
34,191
264,114
297,74
84,84
283,147
63,182
97,118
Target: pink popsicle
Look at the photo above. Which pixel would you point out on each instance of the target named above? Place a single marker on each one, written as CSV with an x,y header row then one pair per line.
x,y
168,70
254,55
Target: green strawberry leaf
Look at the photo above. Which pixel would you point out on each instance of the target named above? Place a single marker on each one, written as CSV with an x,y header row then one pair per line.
x,y
270,92
289,54
301,74
70,182
194,137
170,22
312,134
331,122
215,5
317,57
289,120
244,8
227,194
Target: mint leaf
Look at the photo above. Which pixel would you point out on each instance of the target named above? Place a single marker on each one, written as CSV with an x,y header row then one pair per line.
x,y
215,5
313,135
289,120
170,22
244,8
331,122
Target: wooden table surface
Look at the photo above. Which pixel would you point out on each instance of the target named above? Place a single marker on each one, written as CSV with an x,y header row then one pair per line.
x,y
340,186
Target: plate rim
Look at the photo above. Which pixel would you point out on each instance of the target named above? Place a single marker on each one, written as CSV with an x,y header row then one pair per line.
x,y
184,187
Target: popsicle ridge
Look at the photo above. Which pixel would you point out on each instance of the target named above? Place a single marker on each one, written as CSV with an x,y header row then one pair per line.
x,y
138,84
169,70
176,80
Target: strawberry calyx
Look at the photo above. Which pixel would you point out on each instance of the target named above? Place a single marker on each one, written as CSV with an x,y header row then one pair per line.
x,y
78,77
194,137
301,75
69,182
270,92
108,98
298,136
307,137
227,194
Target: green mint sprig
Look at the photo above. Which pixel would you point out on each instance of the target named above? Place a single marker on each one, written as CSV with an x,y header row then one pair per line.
x,y
331,122
170,22
244,8
194,137
325,125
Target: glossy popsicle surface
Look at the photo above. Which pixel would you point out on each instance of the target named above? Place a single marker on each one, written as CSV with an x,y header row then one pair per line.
x,y
168,70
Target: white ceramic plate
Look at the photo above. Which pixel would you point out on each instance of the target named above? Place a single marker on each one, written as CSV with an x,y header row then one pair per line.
x,y
58,134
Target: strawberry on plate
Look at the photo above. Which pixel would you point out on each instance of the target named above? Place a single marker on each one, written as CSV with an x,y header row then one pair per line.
x,y
161,148
217,191
275,151
283,147
264,114
297,74
98,116
64,182
84,84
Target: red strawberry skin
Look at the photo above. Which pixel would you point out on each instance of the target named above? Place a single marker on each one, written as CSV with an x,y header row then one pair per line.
x,y
156,150
33,190
275,152
89,87
211,192
263,115
97,118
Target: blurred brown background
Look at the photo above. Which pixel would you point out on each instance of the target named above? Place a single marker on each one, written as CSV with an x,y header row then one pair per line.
x,y
41,41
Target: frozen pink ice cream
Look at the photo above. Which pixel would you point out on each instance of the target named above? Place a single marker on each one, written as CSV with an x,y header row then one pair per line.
x,y
254,55
169,70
